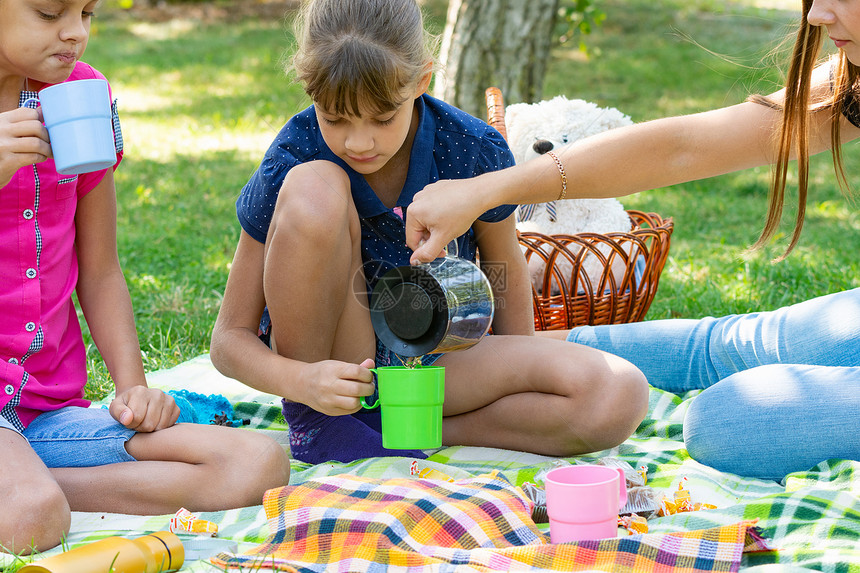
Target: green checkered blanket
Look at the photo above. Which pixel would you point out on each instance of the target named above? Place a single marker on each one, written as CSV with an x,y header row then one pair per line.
x,y
812,519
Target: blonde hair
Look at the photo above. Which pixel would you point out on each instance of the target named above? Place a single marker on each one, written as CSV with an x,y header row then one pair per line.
x,y
361,53
794,129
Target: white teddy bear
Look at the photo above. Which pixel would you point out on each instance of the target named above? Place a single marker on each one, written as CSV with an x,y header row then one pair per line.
x,y
534,129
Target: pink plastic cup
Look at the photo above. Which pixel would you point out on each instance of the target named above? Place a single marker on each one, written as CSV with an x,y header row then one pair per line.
x,y
583,502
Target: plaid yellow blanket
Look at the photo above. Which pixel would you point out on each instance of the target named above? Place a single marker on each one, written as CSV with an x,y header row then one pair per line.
x,y
352,523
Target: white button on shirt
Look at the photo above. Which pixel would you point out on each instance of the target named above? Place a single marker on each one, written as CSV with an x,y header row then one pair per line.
x,y
9,389
28,214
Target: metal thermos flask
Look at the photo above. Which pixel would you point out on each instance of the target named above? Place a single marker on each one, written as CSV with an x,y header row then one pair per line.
x,y
434,307
157,552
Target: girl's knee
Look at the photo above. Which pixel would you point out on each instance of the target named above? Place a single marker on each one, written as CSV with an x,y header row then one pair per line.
x,y
37,523
621,385
612,400
274,461
315,198
257,463
621,390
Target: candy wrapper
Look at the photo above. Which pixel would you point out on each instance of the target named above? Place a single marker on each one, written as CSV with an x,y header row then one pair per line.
x,y
428,473
185,521
634,477
641,500
682,502
633,523
538,496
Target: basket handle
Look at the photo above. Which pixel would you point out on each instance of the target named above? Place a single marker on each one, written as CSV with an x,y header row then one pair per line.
x,y
496,110
496,114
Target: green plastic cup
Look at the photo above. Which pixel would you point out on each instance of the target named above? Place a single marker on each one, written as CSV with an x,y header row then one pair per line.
x,y
410,400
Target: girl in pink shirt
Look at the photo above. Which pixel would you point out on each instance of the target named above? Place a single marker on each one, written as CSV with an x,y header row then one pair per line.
x,y
58,236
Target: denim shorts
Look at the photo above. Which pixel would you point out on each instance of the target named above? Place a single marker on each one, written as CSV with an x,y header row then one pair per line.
x,y
79,437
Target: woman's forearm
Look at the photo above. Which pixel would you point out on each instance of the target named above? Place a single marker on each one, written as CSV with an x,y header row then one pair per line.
x,y
614,163
644,156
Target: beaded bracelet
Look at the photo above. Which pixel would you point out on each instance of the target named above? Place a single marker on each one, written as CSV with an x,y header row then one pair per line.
x,y
562,173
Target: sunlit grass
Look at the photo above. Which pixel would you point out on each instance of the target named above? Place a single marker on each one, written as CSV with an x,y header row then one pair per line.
x,y
676,57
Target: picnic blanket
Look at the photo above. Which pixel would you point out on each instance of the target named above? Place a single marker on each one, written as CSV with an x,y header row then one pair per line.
x,y
352,523
811,519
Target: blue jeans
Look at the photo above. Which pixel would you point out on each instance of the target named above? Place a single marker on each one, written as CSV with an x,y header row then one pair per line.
x,y
781,388
78,437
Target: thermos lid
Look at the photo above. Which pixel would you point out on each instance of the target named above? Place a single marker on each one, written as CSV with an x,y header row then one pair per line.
x,y
167,549
409,311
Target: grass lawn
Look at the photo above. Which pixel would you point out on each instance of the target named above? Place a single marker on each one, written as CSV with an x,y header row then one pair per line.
x,y
202,97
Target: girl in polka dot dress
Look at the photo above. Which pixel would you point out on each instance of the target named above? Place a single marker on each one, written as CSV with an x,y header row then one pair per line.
x,y
323,217
58,238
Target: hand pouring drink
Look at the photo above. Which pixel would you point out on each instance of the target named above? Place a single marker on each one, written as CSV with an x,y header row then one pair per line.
x,y
435,307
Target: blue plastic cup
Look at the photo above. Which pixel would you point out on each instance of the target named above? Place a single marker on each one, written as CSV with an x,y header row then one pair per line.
x,y
78,117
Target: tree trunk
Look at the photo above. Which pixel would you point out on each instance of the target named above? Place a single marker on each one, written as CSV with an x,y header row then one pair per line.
x,y
501,43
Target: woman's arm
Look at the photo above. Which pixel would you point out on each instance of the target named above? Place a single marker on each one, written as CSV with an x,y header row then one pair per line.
x,y
106,304
613,163
610,164
503,262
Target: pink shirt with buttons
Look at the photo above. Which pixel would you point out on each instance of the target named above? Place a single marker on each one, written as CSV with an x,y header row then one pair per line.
x,y
42,356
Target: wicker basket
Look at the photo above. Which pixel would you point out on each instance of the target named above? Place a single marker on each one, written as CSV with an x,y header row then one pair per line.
x,y
566,295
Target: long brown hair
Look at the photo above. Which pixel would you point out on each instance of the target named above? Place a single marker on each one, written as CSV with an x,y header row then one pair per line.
x,y
794,130
361,53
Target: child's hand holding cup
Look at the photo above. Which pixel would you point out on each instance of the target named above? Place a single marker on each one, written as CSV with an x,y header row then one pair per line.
x,y
78,117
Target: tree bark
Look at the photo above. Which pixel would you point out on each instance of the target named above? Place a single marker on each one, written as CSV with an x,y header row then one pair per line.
x,y
501,43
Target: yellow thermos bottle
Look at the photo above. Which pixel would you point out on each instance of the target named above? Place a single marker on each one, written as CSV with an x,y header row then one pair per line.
x,y
157,552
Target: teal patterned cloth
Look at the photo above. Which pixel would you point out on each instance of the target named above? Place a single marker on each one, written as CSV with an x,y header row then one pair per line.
x,y
812,519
